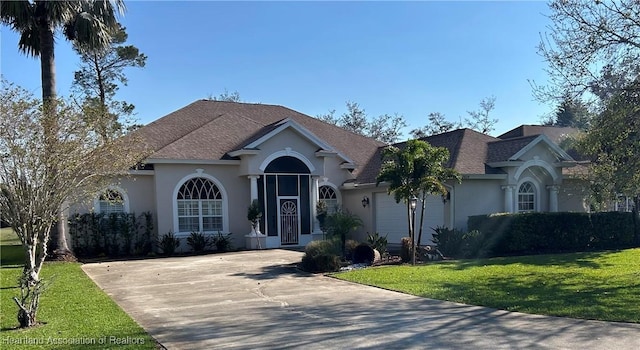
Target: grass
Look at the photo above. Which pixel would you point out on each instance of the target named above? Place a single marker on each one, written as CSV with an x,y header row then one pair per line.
x,y
74,312
601,285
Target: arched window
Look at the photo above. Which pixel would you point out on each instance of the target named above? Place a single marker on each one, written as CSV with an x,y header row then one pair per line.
x,y
526,197
328,195
199,206
111,201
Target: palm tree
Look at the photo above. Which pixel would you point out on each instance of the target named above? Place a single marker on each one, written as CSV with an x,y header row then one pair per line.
x,y
88,23
415,170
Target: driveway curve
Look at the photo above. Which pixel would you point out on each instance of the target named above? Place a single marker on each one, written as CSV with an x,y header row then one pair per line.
x,y
258,300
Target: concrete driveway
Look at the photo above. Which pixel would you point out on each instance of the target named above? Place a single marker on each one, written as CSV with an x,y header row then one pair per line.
x,y
258,300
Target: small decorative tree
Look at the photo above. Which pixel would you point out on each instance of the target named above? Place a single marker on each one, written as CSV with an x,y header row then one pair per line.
x,y
321,215
340,224
254,214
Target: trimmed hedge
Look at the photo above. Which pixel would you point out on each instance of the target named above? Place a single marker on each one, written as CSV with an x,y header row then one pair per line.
x,y
524,233
115,234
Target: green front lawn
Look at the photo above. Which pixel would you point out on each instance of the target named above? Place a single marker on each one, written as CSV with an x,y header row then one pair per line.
x,y
598,285
74,312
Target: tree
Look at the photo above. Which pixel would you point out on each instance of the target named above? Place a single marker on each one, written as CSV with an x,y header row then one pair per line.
x,y
613,144
593,46
226,96
570,113
415,170
438,124
479,120
101,72
89,23
30,198
339,224
385,128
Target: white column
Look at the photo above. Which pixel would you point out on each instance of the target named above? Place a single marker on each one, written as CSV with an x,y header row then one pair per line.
x,y
314,202
254,186
553,198
508,198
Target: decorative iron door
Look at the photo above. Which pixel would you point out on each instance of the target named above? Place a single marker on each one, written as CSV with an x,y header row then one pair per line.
x,y
289,221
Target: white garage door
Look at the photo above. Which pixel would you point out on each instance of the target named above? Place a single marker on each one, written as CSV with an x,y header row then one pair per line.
x,y
391,217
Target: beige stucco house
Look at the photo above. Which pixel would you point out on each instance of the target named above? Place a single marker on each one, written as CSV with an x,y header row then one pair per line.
x,y
211,159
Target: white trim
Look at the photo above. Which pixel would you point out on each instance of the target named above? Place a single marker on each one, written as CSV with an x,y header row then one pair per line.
x,y
537,162
225,201
536,199
542,138
287,152
192,161
123,193
142,172
335,188
290,123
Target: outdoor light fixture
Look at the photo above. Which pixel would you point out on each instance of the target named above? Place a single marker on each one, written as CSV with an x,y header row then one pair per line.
x,y
413,202
365,201
446,197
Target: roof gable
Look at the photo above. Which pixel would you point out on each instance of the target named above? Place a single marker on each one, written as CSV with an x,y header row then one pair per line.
x,y
544,140
210,130
285,124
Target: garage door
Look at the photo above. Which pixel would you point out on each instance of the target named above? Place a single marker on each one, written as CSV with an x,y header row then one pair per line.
x,y
391,217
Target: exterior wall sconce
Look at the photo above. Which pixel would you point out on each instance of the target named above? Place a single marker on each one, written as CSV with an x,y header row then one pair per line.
x,y
365,201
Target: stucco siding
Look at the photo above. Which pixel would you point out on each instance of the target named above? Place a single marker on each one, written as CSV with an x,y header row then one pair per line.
x,y
236,189
476,197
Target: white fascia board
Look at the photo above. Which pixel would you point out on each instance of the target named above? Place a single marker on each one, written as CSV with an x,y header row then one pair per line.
x,y
244,151
484,176
290,123
192,161
506,164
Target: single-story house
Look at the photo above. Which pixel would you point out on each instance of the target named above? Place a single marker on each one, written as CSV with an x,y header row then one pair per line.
x,y
211,159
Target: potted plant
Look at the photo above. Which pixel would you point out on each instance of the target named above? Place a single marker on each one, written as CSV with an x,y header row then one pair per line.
x,y
255,238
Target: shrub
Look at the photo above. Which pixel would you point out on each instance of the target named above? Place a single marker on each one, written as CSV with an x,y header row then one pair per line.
x,y
222,242
315,248
320,263
349,246
168,243
363,253
405,249
378,242
198,242
526,233
321,256
449,241
115,234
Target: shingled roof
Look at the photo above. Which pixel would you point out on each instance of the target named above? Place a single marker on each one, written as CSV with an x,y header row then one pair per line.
x,y
470,152
209,130
554,133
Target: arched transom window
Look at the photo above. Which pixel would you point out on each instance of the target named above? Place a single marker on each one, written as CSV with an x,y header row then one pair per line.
x,y
328,195
199,206
111,201
526,197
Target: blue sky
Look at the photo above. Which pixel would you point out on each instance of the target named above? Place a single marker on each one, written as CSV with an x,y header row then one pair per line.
x,y
410,58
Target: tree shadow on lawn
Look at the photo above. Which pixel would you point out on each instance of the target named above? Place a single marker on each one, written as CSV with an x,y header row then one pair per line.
x,y
557,296
583,259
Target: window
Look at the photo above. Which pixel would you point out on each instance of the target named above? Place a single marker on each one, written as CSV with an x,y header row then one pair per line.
x,y
111,201
526,197
328,195
199,206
